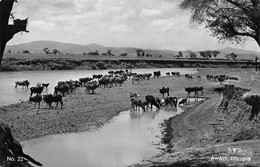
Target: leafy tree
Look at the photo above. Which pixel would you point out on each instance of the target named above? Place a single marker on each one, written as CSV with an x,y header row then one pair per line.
x,y
46,50
138,52
7,31
215,53
179,54
228,20
192,55
109,52
202,54
142,54
231,56
55,51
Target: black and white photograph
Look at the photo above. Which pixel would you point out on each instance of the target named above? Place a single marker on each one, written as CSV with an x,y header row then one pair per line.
x,y
129,83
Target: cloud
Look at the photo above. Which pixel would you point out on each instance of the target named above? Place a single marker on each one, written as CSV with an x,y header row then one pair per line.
x,y
150,12
151,24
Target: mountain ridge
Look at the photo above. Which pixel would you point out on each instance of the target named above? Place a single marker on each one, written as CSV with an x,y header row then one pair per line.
x,y
70,48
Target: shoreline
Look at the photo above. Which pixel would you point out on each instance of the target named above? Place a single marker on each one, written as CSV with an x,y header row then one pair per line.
x,y
83,112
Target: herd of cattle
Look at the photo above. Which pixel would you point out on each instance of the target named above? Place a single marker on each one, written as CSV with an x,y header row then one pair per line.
x,y
114,78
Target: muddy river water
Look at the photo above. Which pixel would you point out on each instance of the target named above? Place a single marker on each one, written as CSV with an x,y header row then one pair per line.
x,y
129,138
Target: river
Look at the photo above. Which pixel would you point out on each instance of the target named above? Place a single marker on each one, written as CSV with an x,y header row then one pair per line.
x,y
9,94
128,138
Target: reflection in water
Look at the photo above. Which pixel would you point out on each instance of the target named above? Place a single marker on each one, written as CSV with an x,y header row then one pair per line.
x,y
126,139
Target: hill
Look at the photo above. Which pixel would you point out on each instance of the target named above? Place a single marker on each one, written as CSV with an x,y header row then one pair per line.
x,y
68,48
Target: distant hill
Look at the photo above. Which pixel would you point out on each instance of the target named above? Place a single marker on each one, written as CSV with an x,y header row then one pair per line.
x,y
37,47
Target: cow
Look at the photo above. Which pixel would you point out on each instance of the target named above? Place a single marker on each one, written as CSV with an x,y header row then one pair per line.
x,y
136,102
62,89
164,90
152,101
36,99
36,90
91,86
53,98
157,73
24,83
194,89
219,89
45,85
183,101
171,100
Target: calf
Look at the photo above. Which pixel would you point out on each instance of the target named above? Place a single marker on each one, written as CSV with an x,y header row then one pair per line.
x,y
36,99
53,98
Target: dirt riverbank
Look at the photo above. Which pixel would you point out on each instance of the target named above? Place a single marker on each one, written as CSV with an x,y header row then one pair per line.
x,y
204,135
83,112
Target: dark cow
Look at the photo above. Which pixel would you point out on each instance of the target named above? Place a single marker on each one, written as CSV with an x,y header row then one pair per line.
x,y
36,99
53,98
62,89
83,81
176,74
98,76
219,89
91,87
194,89
148,75
45,85
36,90
151,100
137,103
183,101
157,73
25,83
171,100
221,80
164,90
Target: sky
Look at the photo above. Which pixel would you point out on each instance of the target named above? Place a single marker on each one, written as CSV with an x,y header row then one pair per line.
x,y
147,24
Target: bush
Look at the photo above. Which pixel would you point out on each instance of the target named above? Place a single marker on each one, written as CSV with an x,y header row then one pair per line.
x,y
101,65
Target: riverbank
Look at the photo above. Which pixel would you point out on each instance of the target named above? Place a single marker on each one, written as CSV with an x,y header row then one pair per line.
x,y
212,134
84,112
80,62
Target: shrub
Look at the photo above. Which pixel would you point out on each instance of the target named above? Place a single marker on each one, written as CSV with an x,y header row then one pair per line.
x,y
101,65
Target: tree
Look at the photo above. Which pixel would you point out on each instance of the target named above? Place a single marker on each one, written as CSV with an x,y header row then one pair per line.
x,y
179,54
109,52
55,51
231,56
46,50
138,52
228,20
215,53
7,31
203,54
192,55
